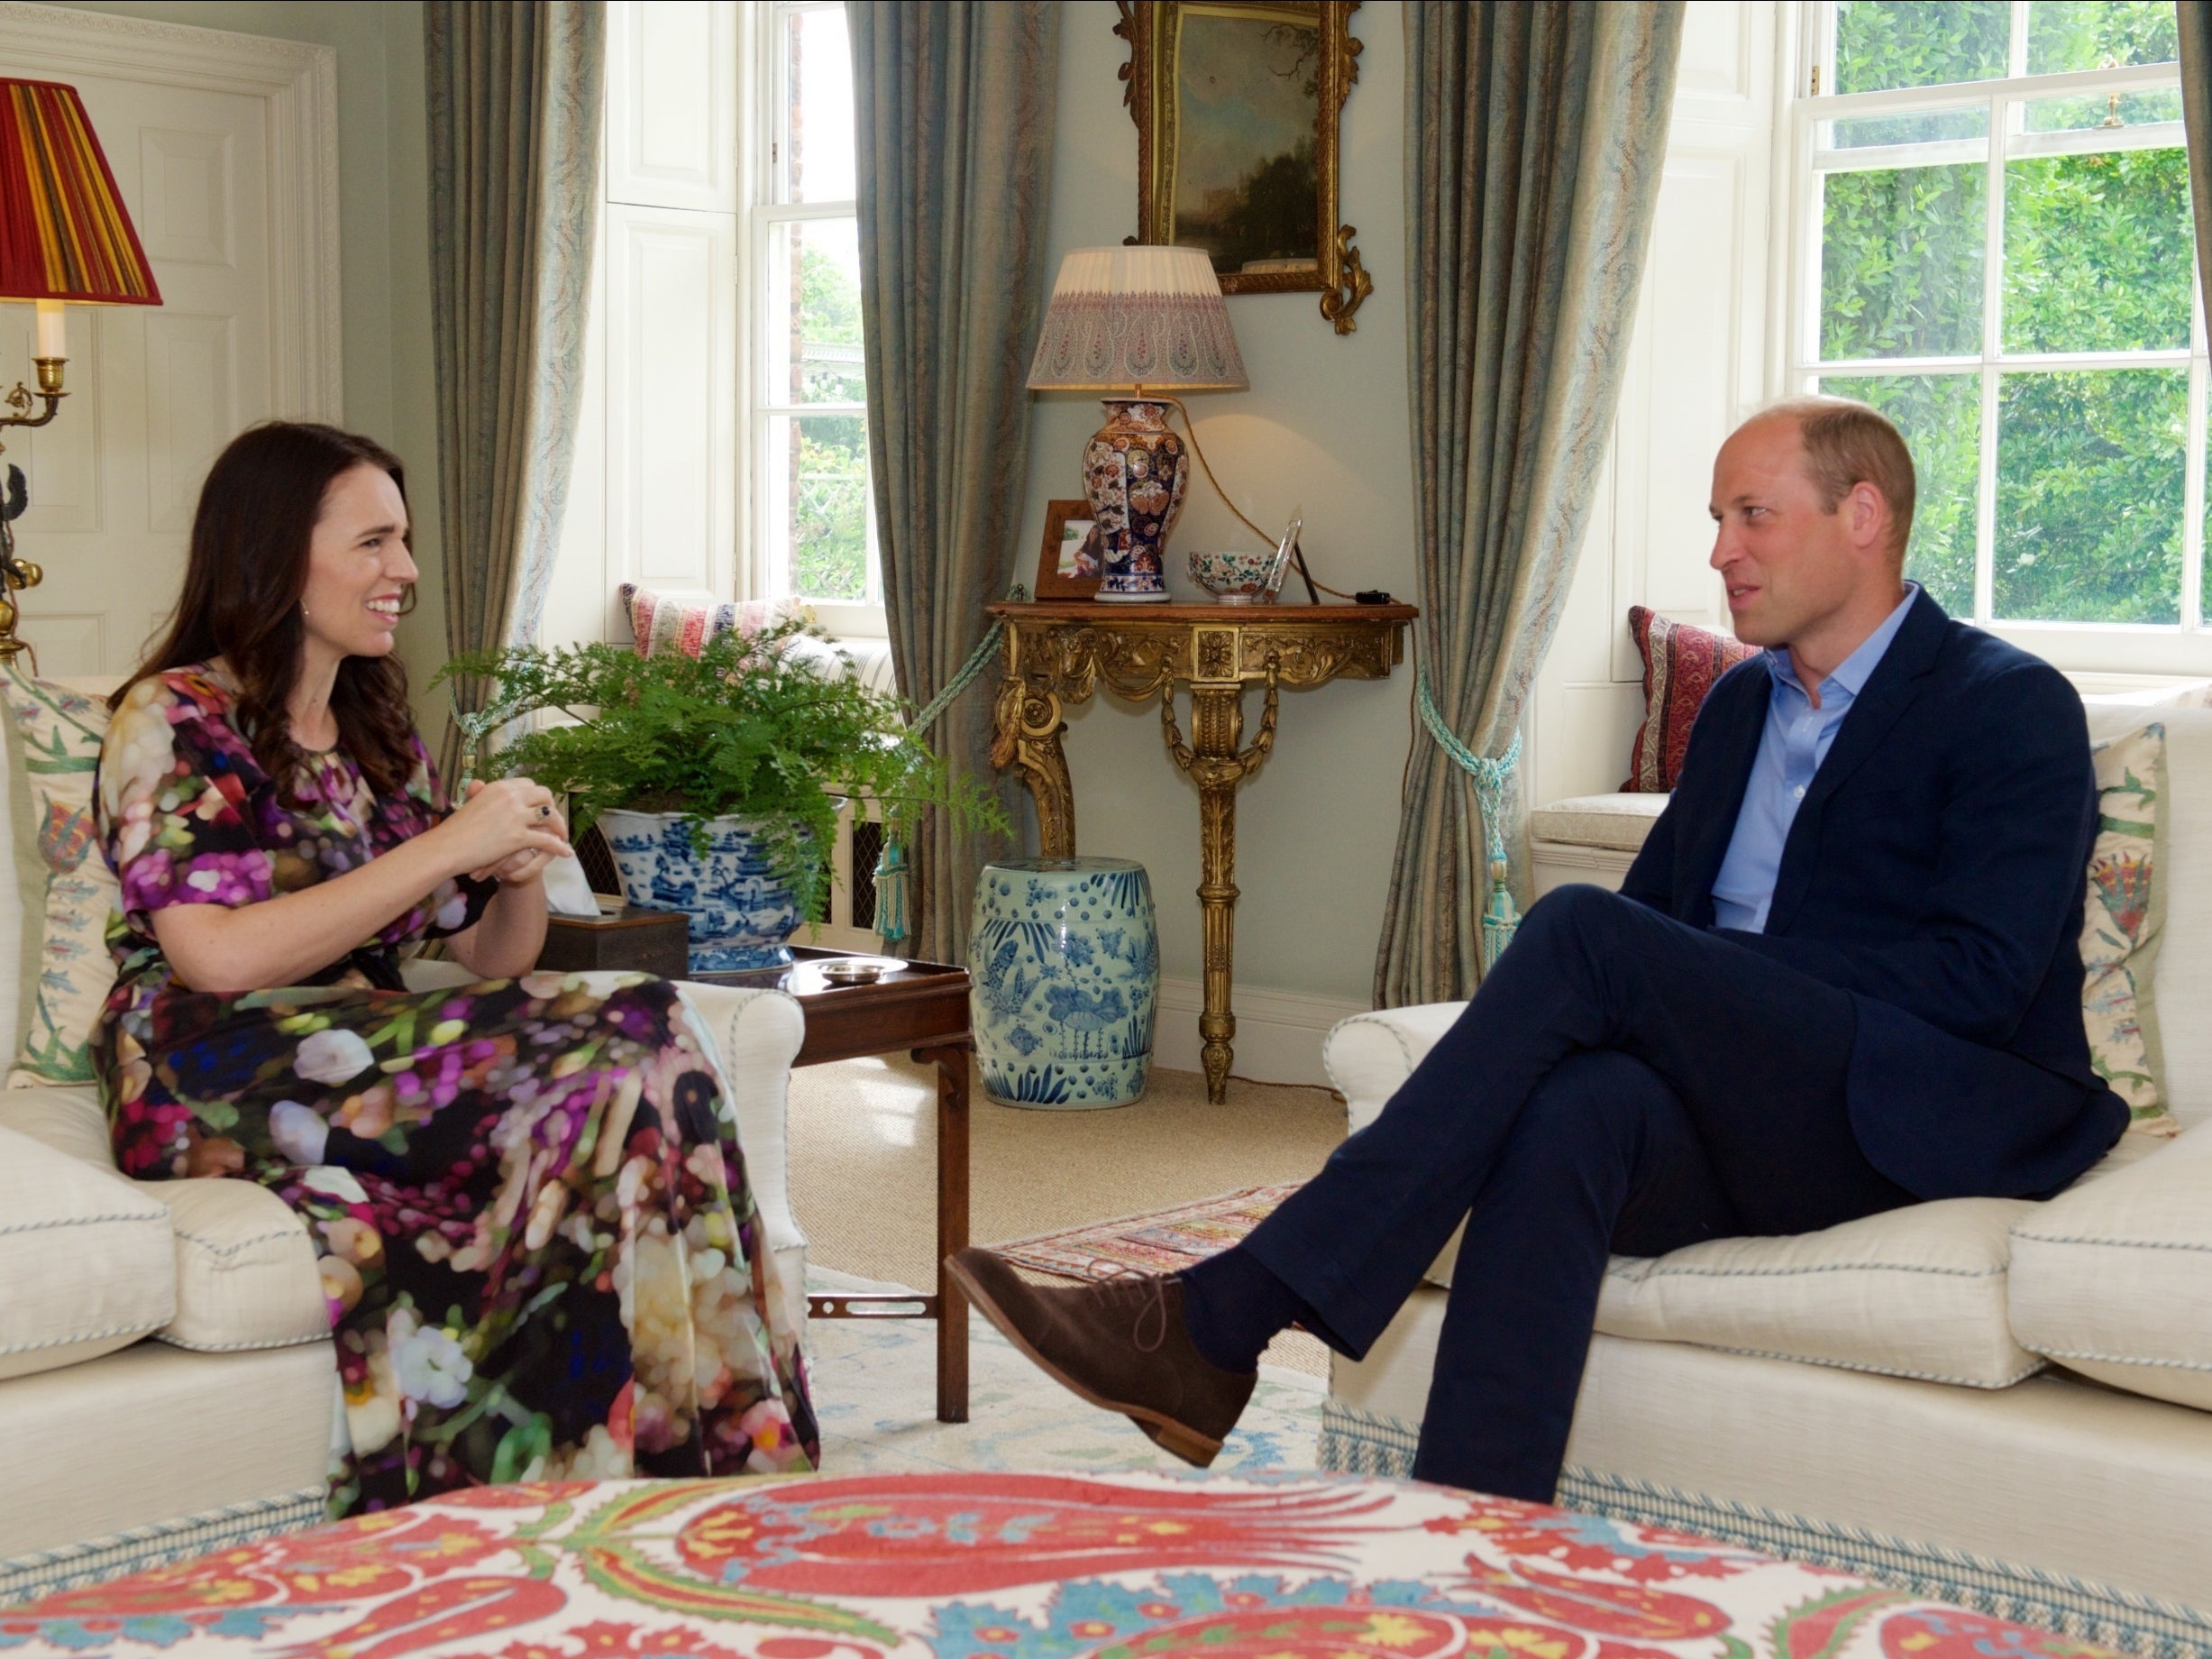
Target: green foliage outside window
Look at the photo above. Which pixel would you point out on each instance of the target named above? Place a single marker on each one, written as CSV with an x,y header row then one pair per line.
x,y
828,454
2098,257
1884,44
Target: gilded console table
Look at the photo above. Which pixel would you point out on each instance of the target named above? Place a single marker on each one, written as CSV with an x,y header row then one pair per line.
x,y
1057,652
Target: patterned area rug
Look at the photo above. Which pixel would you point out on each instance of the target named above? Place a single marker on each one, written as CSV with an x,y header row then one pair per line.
x,y
999,1566
875,1387
1157,1242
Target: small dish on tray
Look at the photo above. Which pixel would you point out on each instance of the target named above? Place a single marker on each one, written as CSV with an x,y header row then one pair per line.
x,y
858,970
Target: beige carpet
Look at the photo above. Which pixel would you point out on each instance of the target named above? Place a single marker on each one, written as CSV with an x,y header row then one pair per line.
x,y
863,1163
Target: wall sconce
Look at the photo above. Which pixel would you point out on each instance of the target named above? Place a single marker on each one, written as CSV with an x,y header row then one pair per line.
x,y
64,237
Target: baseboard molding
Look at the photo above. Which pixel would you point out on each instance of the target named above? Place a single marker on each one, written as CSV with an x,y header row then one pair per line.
x,y
1278,1037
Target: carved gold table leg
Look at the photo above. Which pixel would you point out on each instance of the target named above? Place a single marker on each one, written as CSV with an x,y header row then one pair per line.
x,y
1028,725
1217,766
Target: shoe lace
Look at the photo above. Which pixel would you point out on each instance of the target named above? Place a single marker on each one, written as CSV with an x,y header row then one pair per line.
x,y
1122,1290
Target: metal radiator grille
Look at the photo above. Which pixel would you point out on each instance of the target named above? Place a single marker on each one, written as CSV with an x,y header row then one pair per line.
x,y
867,848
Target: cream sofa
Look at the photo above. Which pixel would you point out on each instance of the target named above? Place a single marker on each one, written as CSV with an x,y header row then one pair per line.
x,y
2006,1403
167,1384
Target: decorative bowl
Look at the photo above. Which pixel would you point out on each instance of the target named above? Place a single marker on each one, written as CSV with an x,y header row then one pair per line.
x,y
1235,578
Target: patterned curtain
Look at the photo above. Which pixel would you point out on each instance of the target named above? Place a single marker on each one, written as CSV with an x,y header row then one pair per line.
x,y
2196,19
515,94
952,103
1534,134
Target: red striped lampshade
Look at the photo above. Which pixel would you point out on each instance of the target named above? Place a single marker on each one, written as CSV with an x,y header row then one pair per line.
x,y
63,231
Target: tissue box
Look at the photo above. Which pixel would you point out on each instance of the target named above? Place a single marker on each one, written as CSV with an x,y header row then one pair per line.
x,y
643,941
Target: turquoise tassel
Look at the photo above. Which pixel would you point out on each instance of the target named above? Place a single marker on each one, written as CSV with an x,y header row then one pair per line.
x,y
1500,920
891,898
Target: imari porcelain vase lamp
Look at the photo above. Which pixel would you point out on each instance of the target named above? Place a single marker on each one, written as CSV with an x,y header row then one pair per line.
x,y
1136,323
64,236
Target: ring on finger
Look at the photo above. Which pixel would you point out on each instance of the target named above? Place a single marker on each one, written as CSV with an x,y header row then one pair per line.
x,y
545,811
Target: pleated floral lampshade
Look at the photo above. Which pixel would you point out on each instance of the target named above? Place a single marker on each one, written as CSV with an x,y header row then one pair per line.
x,y
1125,318
1135,322
64,234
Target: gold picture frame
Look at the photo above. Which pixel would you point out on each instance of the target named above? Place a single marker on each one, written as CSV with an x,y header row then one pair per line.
x,y
1217,89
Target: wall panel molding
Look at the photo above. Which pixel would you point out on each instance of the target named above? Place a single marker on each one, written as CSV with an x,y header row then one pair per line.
x,y
300,81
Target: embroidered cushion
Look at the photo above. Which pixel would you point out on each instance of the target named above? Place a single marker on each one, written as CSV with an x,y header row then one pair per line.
x,y
1680,664
665,624
2122,920
53,736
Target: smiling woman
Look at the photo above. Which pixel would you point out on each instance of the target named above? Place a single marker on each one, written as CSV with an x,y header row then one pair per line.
x,y
532,1222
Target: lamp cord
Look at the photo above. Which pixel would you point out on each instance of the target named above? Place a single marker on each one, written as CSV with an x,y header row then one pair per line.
x,y
1191,430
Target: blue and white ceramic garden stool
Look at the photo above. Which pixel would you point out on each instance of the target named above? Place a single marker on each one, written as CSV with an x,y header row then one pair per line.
x,y
1066,961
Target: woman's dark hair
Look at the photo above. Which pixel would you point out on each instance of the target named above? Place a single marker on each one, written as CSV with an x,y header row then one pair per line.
x,y
244,580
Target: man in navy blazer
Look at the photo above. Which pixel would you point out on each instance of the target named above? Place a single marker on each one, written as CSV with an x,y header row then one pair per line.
x,y
1844,975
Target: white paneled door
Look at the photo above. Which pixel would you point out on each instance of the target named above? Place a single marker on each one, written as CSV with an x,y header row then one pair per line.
x,y
224,147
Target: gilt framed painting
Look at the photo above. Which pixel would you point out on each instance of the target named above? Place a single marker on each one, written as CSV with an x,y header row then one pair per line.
x,y
1237,104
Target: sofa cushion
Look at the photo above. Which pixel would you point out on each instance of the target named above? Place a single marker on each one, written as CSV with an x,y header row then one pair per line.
x,y
661,623
85,1262
69,1120
247,1272
2184,976
1915,1292
2104,1275
1680,666
1619,822
54,734
2124,917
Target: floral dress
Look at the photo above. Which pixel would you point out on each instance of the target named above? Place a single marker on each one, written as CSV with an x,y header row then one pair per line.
x,y
533,1232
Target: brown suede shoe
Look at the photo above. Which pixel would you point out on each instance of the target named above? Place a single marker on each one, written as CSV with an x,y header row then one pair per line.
x,y
1121,1344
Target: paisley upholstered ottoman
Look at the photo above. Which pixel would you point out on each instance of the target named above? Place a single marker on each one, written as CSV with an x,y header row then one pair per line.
x,y
1001,1566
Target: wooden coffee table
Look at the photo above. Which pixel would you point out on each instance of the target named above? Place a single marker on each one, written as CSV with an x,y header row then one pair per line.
x,y
922,1008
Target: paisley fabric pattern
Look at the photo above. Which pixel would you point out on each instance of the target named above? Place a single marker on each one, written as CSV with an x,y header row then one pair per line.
x,y
1534,140
526,1195
2123,919
953,130
515,98
54,741
1680,666
1004,1566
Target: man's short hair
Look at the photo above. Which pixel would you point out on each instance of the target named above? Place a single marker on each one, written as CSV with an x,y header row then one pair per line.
x,y
1848,443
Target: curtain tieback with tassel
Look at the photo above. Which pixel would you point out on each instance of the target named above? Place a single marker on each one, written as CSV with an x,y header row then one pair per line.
x,y
1489,777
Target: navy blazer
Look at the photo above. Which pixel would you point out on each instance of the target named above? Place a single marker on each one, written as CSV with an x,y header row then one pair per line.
x,y
1935,870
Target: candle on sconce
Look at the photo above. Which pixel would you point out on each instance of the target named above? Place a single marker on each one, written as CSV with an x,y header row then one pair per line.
x,y
53,335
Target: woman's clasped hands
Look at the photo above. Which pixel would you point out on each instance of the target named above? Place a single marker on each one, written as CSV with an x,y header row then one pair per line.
x,y
510,829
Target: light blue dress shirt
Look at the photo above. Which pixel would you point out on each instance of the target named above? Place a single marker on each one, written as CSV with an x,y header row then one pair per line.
x,y
1796,739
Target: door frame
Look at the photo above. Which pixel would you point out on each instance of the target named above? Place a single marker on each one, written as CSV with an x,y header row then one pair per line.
x,y
298,81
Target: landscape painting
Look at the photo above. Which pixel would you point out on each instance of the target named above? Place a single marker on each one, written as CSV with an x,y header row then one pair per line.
x,y
1237,104
1247,102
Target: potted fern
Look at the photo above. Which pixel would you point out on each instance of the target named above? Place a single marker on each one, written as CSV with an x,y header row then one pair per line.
x,y
711,776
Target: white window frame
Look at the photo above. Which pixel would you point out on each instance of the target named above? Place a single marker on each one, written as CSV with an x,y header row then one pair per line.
x,y
767,123
2185,647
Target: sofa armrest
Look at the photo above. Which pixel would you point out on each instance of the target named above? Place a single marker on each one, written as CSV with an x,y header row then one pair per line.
x,y
2109,1278
1369,1055
85,1260
756,1035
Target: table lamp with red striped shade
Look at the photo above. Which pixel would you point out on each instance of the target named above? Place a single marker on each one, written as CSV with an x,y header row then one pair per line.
x,y
65,239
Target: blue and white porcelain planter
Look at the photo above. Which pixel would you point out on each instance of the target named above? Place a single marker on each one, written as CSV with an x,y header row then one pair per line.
x,y
1064,959
740,913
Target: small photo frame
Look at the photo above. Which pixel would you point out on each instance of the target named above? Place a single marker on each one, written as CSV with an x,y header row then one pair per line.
x,y
1071,562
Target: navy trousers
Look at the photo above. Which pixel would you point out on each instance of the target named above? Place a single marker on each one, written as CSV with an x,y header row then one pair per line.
x,y
1621,1081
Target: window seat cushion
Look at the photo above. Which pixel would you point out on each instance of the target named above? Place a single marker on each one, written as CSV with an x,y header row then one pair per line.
x,y
1619,822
